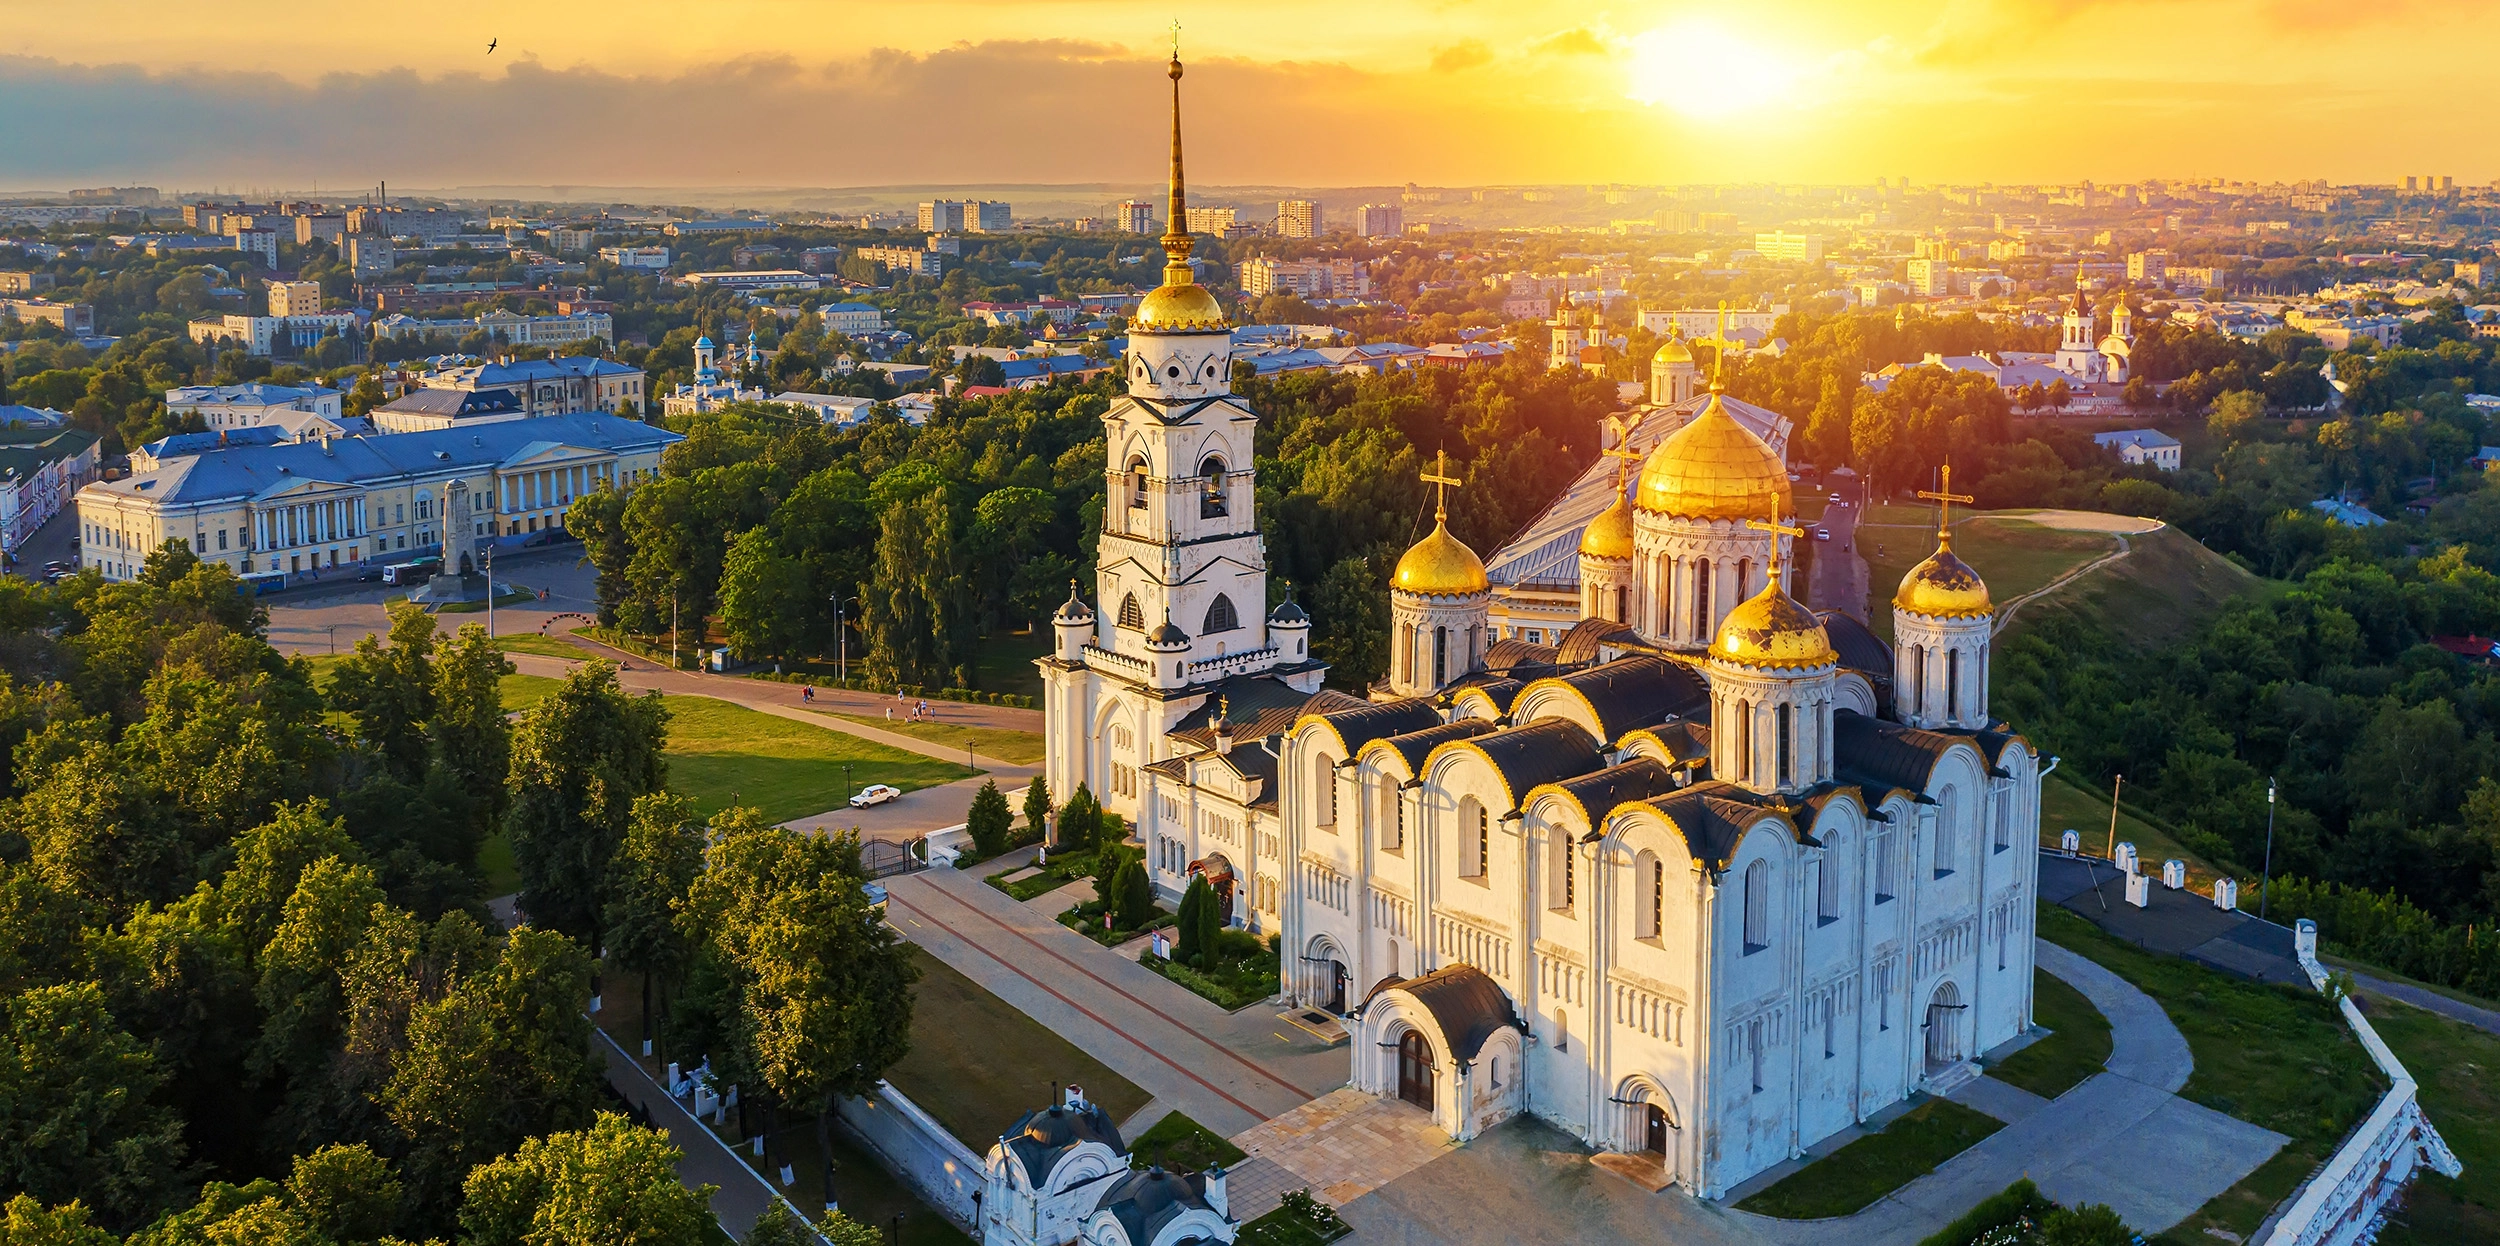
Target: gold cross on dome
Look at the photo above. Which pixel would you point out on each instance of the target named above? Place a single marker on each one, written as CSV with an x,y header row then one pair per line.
x,y
1944,497
1624,454
1441,481
1777,530
1723,343
1176,38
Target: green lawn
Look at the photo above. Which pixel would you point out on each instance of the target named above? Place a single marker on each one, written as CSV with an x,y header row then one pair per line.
x,y
544,646
1299,1220
1875,1165
2065,804
523,691
1022,747
2165,589
2458,1069
1063,869
2076,1048
2276,1056
1004,662
976,1063
1182,1145
2014,556
494,858
720,754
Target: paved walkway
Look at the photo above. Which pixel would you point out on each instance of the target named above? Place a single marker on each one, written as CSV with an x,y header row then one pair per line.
x,y
2123,1137
1227,1071
1346,1144
706,1160
2483,1019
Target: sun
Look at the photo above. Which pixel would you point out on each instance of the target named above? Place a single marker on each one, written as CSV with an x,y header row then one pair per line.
x,y
1700,70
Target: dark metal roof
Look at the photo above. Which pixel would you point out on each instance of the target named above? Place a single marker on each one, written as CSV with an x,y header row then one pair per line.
x,y
1598,793
1580,643
1144,1201
1469,1006
1713,816
1541,752
1254,704
1686,740
1362,722
1499,692
1638,691
1859,649
1873,752
1042,1136
1513,652
1415,746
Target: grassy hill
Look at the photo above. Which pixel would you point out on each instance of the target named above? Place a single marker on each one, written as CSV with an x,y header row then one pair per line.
x,y
2014,556
2163,590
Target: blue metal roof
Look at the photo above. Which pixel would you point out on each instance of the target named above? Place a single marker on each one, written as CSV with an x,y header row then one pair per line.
x,y
248,471
251,392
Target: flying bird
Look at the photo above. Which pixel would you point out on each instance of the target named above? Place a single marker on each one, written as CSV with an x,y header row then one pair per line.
x,y
490,46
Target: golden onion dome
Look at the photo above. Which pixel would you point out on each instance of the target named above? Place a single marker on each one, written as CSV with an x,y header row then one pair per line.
x,y
1673,351
1770,631
1178,309
1714,468
1440,565
1610,534
1944,587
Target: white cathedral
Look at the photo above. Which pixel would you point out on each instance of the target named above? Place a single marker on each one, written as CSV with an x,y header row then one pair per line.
x,y
1704,882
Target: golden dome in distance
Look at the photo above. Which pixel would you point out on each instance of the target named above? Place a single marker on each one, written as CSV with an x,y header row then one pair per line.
x,y
1180,304
1714,468
1770,630
1440,565
1673,350
1610,534
1944,587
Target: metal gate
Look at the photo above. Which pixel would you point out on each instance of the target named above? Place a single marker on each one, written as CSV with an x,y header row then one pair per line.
x,y
882,858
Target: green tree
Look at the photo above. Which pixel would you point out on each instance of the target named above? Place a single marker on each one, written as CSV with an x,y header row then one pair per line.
x,y
1827,430
613,1182
503,1056
472,738
823,984
662,853
580,759
1037,805
78,1093
269,860
1132,895
917,604
299,991
764,597
389,692
346,1193
1197,900
989,820
25,1222
2236,416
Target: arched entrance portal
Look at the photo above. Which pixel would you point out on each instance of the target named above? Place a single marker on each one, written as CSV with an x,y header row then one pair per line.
x,y
1219,875
1654,1131
1415,1069
1324,970
1944,1028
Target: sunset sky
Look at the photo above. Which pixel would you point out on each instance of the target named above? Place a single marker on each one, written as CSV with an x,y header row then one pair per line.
x,y
1281,92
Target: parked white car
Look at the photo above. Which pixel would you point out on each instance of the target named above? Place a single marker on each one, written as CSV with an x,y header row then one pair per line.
x,y
875,794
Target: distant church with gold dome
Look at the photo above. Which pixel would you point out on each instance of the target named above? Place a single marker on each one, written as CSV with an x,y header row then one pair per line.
x,y
1627,838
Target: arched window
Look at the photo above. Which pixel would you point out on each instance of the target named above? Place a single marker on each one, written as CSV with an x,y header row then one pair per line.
x,y
1130,615
1742,745
1324,791
1702,631
1650,918
1211,495
1220,615
1477,825
1440,656
1560,884
1137,483
1885,887
1388,817
2005,820
1787,728
1757,907
1947,829
1918,662
1562,1030
1953,683
1744,572
1827,883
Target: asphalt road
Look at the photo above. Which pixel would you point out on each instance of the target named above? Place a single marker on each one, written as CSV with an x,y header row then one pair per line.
x,y
1839,581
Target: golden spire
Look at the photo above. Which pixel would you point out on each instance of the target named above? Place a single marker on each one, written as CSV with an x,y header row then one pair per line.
x,y
1720,340
1440,565
1944,497
1177,243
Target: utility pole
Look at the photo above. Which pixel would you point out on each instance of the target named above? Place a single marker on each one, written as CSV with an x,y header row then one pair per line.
x,y
486,561
841,642
2266,879
672,635
2111,851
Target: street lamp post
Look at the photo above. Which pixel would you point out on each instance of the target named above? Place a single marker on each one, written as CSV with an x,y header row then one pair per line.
x,y
841,638
847,790
486,563
2266,880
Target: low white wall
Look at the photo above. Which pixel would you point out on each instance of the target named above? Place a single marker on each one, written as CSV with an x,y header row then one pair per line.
x,y
2344,1204
919,1150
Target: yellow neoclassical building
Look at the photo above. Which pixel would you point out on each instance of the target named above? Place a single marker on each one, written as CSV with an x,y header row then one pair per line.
x,y
310,506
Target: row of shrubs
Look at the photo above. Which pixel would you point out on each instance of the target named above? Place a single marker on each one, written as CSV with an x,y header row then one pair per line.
x,y
2383,928
969,696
